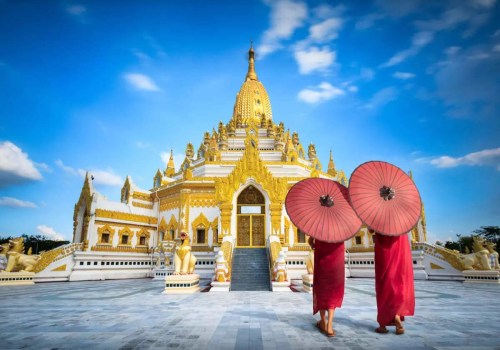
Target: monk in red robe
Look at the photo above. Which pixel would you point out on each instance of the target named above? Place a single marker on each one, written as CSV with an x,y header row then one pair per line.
x,y
393,281
329,281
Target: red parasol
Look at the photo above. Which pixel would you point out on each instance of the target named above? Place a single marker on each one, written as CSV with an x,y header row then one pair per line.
x,y
385,198
321,209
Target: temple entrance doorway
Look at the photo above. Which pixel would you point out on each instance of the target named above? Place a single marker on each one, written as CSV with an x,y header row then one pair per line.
x,y
251,210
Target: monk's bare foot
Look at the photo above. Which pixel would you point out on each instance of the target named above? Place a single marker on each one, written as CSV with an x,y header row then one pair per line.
x,y
399,325
381,330
331,333
329,330
321,326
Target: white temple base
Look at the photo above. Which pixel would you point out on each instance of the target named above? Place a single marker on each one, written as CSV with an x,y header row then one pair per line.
x,y
16,278
220,286
307,283
478,276
182,284
281,286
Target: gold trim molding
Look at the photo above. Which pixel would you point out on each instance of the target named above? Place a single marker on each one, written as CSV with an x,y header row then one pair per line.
x,y
109,214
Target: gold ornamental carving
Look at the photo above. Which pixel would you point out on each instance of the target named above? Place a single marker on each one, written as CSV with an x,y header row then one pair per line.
x,y
46,258
86,197
105,229
163,225
200,222
142,205
250,166
142,196
109,214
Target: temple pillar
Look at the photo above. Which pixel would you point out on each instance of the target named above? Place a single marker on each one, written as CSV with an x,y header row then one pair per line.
x,y
225,218
276,209
184,198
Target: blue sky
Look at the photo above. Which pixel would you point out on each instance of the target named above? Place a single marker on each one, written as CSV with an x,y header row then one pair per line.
x,y
111,87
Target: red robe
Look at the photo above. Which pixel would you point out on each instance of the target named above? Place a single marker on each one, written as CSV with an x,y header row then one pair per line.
x,y
329,275
393,278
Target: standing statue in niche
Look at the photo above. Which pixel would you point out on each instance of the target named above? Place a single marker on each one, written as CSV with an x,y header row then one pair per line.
x,y
184,261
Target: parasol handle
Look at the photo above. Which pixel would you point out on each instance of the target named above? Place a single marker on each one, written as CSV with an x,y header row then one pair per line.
x,y
326,200
387,193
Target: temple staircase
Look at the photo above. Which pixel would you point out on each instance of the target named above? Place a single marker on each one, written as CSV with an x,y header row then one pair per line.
x,y
250,270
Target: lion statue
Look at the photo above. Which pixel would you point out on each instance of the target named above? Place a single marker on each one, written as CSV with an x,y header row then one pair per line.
x,y
16,259
479,259
184,261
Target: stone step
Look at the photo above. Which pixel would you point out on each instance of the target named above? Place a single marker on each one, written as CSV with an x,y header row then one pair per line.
x,y
250,270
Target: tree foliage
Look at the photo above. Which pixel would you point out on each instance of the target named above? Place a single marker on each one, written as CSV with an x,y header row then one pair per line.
x,y
464,244
37,243
491,233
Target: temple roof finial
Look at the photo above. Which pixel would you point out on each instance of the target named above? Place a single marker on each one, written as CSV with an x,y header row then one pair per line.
x,y
251,75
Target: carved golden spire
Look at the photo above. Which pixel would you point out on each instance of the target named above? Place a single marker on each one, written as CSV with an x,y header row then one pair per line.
x,y
251,75
170,171
331,166
252,102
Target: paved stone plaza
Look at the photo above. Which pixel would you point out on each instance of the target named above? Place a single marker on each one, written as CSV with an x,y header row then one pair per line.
x,y
133,314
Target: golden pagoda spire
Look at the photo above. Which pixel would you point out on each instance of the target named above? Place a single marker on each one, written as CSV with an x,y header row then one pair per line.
x,y
331,166
170,171
251,75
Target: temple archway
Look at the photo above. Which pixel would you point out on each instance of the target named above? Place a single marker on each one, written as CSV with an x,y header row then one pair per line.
x,y
250,218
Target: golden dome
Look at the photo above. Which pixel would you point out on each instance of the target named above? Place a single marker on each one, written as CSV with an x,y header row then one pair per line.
x,y
252,101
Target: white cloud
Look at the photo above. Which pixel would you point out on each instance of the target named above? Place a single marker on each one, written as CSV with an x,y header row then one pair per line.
x,y
403,75
141,81
76,10
15,165
382,98
420,39
326,30
479,56
367,74
466,85
452,50
286,17
326,11
352,88
368,21
314,59
323,92
104,177
50,233
496,48
473,14
484,3
487,157
101,177
398,8
14,202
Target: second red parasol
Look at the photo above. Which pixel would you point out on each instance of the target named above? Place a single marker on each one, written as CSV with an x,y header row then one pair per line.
x,y
320,208
385,198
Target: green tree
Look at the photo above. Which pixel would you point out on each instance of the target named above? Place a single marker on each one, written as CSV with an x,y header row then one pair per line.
x,y
491,233
37,243
452,245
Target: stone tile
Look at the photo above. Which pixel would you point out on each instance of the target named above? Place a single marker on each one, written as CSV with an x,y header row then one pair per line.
x,y
133,314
